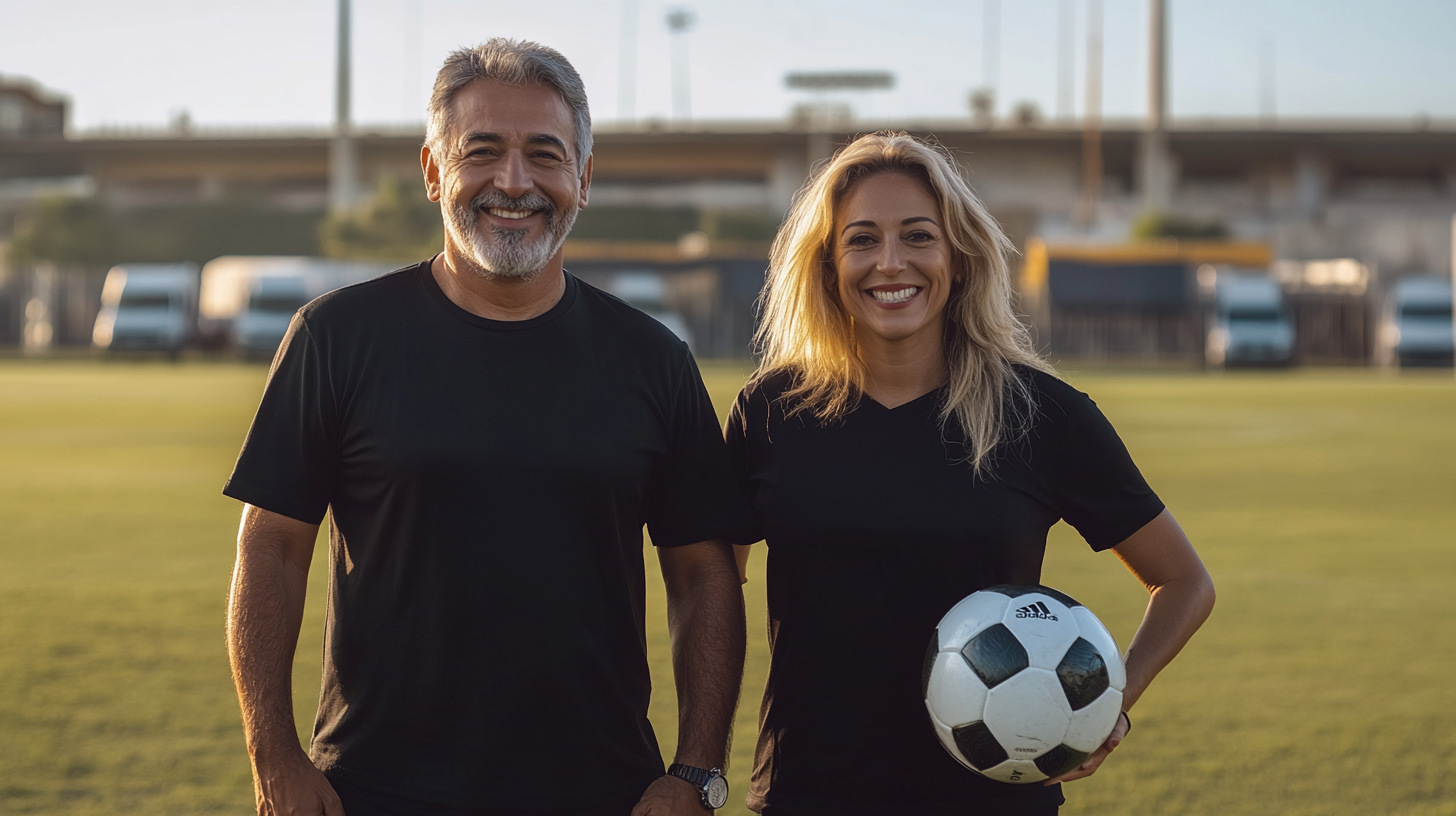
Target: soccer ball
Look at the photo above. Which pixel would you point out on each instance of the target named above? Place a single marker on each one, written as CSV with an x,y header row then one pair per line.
x,y
1022,683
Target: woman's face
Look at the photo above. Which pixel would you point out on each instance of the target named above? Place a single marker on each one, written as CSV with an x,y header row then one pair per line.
x,y
891,259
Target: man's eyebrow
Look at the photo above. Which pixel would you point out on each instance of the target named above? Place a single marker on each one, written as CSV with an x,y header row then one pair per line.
x,y
535,139
911,220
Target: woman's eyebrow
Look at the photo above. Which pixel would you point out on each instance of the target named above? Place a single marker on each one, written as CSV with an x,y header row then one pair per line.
x,y
911,220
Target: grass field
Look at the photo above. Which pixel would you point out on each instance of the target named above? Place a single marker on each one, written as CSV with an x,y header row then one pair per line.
x,y
1323,502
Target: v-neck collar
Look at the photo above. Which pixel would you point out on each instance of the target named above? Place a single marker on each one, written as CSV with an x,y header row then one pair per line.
x,y
920,405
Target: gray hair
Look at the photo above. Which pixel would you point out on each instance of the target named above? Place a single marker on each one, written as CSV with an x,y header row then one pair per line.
x,y
514,62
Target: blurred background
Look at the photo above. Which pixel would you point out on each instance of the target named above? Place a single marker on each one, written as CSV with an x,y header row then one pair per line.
x,y
1234,226
1138,152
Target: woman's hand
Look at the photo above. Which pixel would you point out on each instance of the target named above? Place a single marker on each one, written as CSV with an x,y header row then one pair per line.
x,y
1092,763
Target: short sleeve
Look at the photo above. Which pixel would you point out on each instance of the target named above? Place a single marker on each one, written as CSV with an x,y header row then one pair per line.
x,y
695,498
1095,484
736,436
290,454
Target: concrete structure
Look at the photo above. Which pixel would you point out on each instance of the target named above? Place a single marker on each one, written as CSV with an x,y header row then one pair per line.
x,y
1380,192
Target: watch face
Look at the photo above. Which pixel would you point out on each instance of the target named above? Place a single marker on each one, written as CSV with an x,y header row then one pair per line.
x,y
717,792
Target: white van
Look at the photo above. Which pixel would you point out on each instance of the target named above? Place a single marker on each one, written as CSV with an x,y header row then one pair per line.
x,y
1418,326
247,302
146,307
1251,324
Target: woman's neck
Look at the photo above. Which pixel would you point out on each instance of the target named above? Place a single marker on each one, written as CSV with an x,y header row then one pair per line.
x,y
902,370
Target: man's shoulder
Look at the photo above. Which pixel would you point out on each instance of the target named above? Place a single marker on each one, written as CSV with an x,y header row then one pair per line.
x,y
349,304
628,323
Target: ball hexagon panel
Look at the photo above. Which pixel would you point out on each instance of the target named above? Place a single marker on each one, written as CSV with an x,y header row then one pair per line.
x,y
995,655
1083,673
1016,771
970,616
1089,727
955,696
1028,713
978,746
946,735
1043,625
1095,633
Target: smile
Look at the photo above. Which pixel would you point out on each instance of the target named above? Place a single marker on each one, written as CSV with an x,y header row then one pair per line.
x,y
514,215
893,296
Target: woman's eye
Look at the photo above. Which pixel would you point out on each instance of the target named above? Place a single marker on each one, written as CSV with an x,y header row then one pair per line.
x,y
862,239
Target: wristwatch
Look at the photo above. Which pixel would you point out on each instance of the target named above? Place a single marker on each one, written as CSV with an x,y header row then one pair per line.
x,y
710,783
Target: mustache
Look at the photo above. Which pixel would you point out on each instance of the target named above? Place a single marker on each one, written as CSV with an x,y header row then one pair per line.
x,y
499,200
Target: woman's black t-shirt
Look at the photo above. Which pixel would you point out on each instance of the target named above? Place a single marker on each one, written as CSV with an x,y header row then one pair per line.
x,y
876,526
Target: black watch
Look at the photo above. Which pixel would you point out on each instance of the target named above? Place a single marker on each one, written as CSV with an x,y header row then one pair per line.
x,y
710,783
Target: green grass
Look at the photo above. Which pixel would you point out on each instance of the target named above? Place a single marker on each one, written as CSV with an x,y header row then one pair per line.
x,y
1323,503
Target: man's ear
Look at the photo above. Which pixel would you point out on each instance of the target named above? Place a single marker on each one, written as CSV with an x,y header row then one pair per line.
x,y
431,169
585,182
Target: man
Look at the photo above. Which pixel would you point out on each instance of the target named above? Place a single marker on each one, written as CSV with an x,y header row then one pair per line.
x,y
489,436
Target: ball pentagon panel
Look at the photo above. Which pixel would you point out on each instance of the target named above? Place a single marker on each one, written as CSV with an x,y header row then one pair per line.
x,y
995,655
977,747
1028,713
1083,673
1095,633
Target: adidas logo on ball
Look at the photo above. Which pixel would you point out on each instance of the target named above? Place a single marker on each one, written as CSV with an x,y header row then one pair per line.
x,y
1037,610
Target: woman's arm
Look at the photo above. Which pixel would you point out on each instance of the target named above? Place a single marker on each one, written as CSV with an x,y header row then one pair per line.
x,y
1181,596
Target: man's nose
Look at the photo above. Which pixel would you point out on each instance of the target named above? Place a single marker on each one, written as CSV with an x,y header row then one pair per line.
x,y
513,177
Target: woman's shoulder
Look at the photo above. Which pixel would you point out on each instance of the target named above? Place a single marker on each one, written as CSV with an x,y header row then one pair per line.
x,y
1056,401
767,387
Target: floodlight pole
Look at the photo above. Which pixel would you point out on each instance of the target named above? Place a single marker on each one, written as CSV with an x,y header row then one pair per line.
x,y
1086,214
680,20
627,64
343,162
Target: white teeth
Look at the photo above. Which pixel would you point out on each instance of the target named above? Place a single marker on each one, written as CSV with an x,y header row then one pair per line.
x,y
514,215
897,296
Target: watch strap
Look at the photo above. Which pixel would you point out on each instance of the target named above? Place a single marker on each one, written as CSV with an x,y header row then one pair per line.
x,y
697,777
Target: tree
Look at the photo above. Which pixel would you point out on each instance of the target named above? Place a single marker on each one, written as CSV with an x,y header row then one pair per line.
x,y
396,226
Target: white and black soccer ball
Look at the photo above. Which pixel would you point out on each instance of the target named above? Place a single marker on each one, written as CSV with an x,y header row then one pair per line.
x,y
1022,683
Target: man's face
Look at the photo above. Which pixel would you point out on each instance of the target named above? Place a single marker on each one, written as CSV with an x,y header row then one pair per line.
x,y
506,177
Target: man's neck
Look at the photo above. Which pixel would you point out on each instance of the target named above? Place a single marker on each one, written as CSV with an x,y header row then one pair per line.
x,y
499,298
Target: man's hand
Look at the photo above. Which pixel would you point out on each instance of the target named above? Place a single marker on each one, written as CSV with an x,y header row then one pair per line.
x,y
670,796
1092,763
294,787
265,611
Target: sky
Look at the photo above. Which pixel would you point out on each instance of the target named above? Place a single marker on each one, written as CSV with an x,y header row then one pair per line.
x,y
269,63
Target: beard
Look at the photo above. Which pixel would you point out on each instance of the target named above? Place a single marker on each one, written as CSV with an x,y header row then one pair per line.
x,y
508,253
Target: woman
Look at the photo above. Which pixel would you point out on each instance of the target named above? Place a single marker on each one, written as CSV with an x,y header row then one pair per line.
x,y
904,446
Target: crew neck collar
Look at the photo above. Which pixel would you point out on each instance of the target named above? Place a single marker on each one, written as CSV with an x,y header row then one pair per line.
x,y
568,297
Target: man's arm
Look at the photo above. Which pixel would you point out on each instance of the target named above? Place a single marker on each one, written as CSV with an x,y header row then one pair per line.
x,y
706,622
265,612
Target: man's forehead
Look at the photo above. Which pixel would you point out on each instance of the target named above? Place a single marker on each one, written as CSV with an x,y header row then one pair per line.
x,y
492,106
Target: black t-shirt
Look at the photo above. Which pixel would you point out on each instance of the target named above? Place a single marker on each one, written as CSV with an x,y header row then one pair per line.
x,y
488,483
876,527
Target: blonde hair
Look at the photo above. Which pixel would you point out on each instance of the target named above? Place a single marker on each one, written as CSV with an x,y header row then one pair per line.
x,y
806,331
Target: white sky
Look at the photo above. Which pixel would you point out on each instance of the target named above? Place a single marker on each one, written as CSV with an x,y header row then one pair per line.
x,y
270,62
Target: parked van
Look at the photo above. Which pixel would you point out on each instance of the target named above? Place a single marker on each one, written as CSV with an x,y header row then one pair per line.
x,y
147,307
1418,325
1251,325
272,300
247,302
